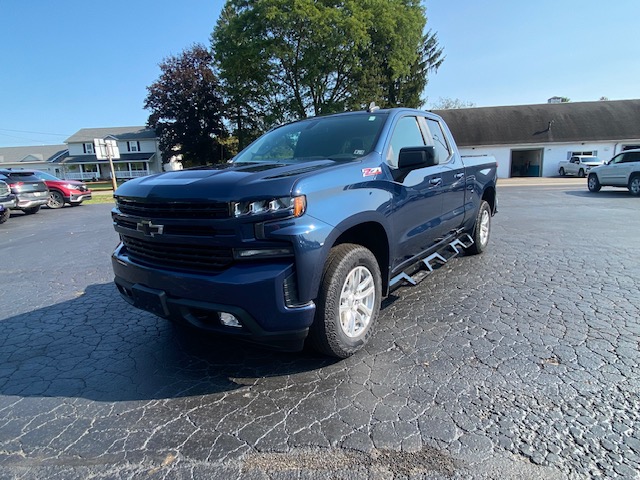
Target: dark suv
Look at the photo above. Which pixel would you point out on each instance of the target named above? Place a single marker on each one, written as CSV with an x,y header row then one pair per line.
x,y
63,191
7,201
30,191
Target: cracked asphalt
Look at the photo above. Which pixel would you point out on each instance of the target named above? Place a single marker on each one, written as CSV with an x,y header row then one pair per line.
x,y
520,363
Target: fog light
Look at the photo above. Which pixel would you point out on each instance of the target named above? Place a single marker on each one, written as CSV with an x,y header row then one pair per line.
x,y
229,320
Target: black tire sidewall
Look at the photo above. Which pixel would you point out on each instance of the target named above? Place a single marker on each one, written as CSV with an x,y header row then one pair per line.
x,y
326,332
596,184
633,177
58,197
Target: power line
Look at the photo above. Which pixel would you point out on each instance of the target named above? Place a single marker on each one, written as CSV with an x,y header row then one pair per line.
x,y
38,133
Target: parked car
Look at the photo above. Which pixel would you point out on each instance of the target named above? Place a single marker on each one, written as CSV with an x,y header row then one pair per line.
x,y
31,192
63,191
579,165
623,170
7,201
305,231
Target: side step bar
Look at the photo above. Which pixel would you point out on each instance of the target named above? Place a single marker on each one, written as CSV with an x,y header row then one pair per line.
x,y
427,265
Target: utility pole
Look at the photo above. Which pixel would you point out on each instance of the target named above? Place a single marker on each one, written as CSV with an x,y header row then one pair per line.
x,y
108,150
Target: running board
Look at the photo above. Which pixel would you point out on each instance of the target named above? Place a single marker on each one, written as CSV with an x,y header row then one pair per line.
x,y
427,265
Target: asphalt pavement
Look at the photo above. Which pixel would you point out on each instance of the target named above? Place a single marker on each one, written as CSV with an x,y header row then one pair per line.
x,y
520,363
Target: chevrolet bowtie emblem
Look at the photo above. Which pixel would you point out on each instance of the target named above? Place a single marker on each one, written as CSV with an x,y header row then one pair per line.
x,y
149,229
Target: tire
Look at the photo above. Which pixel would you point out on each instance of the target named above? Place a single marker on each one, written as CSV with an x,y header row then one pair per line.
x,y
481,229
4,215
348,303
56,199
581,173
593,184
634,185
32,210
562,172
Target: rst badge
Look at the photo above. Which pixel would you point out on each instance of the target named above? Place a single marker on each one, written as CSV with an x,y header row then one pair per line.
x,y
371,172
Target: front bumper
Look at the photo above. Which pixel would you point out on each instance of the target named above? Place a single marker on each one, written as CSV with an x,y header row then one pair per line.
x,y
254,293
78,197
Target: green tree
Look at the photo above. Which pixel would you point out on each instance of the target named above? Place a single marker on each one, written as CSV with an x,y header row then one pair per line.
x,y
447,103
285,59
187,108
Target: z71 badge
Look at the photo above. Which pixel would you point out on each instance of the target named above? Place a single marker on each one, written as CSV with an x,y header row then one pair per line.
x,y
371,172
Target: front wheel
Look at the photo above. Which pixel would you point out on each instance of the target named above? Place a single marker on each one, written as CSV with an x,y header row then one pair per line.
x,y
348,303
481,229
56,200
593,184
581,173
4,215
634,185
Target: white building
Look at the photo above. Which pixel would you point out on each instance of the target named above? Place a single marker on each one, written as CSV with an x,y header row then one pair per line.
x,y
76,160
139,154
531,140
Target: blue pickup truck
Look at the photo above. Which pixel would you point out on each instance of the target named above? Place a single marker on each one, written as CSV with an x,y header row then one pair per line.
x,y
302,234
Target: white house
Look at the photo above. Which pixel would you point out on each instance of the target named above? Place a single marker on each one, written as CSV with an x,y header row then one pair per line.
x,y
40,157
139,154
531,140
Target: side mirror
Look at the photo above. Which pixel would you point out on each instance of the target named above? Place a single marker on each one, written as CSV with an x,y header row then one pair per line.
x,y
417,157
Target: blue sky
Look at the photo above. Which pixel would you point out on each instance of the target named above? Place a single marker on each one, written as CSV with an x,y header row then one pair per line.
x,y
71,64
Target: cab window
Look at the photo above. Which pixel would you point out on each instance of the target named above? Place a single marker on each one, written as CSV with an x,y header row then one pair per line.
x,y
406,134
443,151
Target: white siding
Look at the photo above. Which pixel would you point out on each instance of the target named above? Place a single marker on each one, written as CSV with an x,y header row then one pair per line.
x,y
552,156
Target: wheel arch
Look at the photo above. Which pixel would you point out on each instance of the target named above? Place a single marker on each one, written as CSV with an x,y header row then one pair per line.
x,y
373,237
489,196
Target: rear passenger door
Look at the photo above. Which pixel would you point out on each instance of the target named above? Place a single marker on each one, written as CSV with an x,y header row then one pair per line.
x,y
452,175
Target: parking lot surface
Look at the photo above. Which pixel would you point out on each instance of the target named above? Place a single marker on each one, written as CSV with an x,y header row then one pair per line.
x,y
522,362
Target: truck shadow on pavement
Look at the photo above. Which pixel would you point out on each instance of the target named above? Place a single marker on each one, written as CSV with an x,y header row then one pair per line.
x,y
98,347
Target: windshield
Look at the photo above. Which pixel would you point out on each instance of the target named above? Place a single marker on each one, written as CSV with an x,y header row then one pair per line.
x,y
341,137
590,160
45,176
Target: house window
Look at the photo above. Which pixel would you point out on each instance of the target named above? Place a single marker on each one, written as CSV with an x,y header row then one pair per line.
x,y
133,146
590,153
138,166
88,148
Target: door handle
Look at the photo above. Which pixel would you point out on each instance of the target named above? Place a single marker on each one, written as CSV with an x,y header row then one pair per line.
x,y
459,175
435,181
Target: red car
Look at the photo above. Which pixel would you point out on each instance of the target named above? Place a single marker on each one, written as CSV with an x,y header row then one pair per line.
x,y
63,191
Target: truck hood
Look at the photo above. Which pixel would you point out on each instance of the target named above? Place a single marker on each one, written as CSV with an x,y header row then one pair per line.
x,y
227,182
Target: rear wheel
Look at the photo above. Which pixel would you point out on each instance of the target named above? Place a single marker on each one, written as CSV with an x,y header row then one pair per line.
x,y
481,230
634,185
4,215
56,200
32,210
348,303
562,171
593,184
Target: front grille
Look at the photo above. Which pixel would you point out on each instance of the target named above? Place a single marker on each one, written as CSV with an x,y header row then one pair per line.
x,y
184,230
199,258
196,210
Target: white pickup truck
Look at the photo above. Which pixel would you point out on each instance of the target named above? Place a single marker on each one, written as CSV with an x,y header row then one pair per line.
x,y
623,170
579,165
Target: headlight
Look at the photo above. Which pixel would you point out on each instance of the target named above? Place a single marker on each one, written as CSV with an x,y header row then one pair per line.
x,y
71,187
296,205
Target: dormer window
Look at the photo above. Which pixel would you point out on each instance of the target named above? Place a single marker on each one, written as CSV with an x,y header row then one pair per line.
x,y
88,148
133,146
